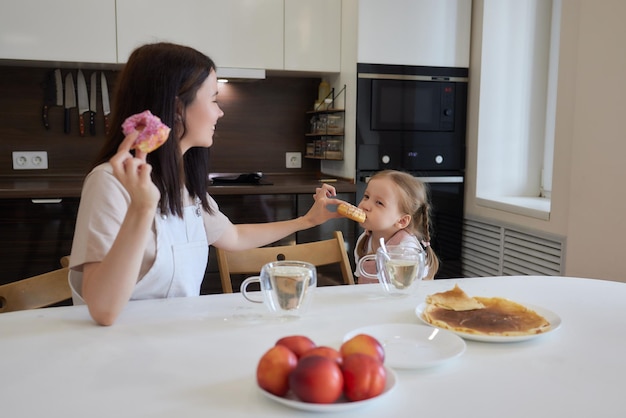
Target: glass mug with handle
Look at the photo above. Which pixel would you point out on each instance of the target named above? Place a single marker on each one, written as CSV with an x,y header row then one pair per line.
x,y
399,268
286,286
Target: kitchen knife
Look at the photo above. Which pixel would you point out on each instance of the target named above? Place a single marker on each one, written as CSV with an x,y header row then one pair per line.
x,y
70,101
106,108
58,84
49,97
83,101
93,105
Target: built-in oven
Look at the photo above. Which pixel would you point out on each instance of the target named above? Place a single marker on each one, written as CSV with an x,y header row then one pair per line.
x,y
413,118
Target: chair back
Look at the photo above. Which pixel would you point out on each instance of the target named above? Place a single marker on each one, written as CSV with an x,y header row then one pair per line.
x,y
65,261
318,253
35,292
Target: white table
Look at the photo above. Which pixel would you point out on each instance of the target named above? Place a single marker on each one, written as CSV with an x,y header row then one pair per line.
x,y
192,357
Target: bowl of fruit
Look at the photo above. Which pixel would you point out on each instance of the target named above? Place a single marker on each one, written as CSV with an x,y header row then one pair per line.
x,y
298,373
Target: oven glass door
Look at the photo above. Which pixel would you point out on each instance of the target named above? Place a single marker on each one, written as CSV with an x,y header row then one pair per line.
x,y
447,198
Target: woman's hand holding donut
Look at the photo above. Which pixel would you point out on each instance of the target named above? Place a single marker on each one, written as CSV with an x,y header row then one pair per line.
x,y
134,174
319,213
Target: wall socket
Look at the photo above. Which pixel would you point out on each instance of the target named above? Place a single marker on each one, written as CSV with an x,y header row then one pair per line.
x,y
293,160
30,160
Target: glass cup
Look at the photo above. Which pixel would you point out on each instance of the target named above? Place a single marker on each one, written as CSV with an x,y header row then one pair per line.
x,y
399,269
286,287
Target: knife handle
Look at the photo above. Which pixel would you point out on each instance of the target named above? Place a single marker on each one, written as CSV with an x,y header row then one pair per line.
x,y
106,125
67,126
44,116
81,124
92,123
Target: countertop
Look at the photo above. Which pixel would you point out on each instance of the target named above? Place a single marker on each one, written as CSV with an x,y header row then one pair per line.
x,y
70,186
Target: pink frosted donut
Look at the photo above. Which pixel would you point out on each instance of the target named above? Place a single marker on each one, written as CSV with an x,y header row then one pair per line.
x,y
152,132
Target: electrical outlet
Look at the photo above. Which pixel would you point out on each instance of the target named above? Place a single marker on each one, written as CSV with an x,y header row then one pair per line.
x,y
293,160
30,160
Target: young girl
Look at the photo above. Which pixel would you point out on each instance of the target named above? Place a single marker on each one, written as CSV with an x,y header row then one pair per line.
x,y
145,222
397,209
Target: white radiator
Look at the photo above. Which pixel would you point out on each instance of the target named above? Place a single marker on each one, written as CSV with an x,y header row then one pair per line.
x,y
490,249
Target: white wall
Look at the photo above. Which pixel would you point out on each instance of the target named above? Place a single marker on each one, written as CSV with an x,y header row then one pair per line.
x,y
589,180
346,168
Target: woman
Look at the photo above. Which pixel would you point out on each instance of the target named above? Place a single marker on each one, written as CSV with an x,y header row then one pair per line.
x,y
145,221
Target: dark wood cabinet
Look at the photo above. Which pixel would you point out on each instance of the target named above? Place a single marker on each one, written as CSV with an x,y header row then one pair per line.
x,y
34,235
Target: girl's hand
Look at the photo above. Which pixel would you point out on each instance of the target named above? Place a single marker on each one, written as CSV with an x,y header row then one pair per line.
x,y
134,174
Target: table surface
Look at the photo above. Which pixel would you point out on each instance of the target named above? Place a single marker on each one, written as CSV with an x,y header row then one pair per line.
x,y
196,357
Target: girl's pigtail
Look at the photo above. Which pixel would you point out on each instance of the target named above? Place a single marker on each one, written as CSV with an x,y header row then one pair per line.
x,y
431,258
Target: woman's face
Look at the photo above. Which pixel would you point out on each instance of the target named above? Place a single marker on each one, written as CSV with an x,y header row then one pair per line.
x,y
380,202
201,116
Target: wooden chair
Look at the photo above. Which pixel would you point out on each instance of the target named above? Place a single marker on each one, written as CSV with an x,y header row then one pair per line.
x,y
318,253
35,292
65,261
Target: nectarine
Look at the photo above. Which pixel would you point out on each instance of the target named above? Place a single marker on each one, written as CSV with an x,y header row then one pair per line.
x,y
299,344
273,369
316,379
363,343
324,351
364,377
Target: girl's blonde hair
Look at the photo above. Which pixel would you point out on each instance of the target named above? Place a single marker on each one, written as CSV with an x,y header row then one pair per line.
x,y
413,200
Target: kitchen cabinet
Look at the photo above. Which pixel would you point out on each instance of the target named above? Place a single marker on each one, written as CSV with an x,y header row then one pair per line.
x,y
234,33
68,30
313,35
414,32
34,235
298,35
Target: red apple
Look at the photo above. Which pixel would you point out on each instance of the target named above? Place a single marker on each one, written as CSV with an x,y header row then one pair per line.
x,y
364,377
299,344
324,351
273,369
316,379
363,343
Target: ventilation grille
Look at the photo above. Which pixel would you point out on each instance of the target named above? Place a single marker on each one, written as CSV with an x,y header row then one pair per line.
x,y
495,250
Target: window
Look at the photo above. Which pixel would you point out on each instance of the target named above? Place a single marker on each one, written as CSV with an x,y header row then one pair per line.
x,y
519,65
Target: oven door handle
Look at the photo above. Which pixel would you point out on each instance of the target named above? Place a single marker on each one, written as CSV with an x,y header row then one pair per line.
x,y
43,201
434,179
441,179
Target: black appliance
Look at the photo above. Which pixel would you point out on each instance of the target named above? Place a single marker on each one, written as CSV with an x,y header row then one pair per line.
x,y
413,118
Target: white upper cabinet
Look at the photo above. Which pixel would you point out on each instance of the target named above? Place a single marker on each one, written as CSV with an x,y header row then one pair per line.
x,y
297,35
313,35
234,33
415,32
60,30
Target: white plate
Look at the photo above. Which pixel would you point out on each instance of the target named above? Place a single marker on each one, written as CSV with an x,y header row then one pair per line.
x,y
341,405
551,317
410,346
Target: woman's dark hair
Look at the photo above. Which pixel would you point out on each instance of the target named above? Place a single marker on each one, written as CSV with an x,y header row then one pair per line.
x,y
164,79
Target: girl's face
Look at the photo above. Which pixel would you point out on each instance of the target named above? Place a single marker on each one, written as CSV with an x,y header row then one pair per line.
x,y
382,205
201,116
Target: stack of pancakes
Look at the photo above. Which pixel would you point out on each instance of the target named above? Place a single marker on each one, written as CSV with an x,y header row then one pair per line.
x,y
456,311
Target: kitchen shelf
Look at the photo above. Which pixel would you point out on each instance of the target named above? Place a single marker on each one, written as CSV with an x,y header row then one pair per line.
x,y
325,138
